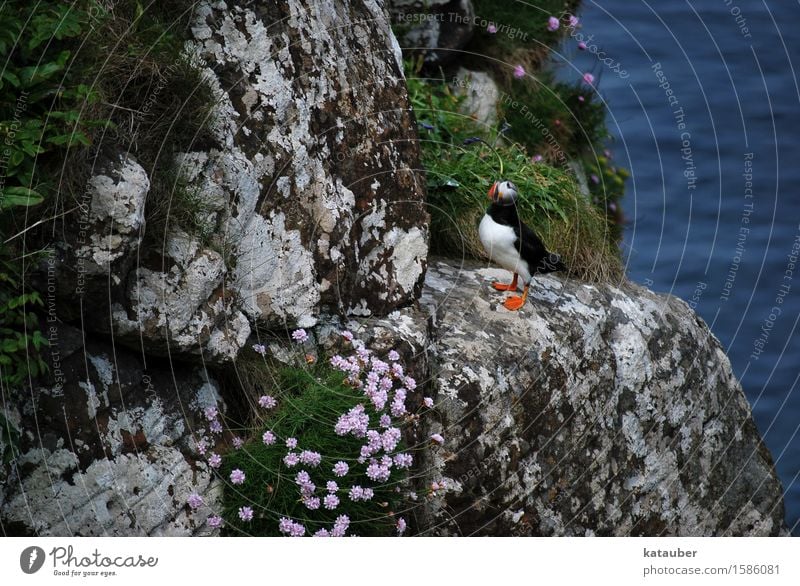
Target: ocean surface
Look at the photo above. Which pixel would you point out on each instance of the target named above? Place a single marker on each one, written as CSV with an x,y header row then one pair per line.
x,y
704,103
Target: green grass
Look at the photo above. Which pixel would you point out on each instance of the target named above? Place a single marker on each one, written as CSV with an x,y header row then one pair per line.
x,y
310,402
459,176
572,114
574,124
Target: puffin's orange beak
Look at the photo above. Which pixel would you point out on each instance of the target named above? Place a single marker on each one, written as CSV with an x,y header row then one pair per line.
x,y
493,191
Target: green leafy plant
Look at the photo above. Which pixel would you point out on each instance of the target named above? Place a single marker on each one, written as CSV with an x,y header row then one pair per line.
x,y
38,114
20,337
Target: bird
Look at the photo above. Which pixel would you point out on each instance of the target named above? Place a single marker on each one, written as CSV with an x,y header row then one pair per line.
x,y
513,245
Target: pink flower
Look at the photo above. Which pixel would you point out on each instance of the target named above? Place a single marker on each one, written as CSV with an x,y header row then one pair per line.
x,y
377,472
347,335
401,526
310,458
312,503
291,459
390,438
491,29
268,438
195,501
300,335
331,486
237,442
245,513
398,408
536,158
215,427
410,383
357,493
215,460
393,355
211,413
353,422
340,526
289,527
403,460
574,21
291,443
553,24
237,477
437,438
215,521
582,46
201,447
427,401
519,71
259,349
267,401
588,78
330,502
385,420
341,468
581,99
322,533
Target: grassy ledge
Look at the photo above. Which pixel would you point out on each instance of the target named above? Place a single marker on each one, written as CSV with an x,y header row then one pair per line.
x,y
462,158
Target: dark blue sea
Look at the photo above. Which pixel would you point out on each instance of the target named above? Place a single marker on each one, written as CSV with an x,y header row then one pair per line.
x,y
704,101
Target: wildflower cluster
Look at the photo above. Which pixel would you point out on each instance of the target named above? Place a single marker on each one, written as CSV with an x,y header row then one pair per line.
x,y
331,461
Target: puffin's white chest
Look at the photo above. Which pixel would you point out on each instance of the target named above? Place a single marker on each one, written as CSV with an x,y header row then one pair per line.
x,y
500,243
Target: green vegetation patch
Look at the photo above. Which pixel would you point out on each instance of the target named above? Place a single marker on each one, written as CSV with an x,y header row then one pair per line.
x,y
462,160
327,453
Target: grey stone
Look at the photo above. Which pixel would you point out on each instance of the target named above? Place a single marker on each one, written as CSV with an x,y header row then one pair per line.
x,y
594,410
109,447
481,95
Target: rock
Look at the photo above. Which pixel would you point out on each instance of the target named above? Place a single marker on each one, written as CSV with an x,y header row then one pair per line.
x,y
438,29
594,410
481,95
309,185
185,310
116,448
320,169
92,260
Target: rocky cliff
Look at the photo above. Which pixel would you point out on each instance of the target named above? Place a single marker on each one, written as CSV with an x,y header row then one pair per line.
x,y
595,410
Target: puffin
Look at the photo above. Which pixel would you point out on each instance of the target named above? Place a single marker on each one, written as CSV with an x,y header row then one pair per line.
x,y
513,245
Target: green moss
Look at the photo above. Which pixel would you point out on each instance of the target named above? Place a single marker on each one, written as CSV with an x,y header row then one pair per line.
x,y
310,403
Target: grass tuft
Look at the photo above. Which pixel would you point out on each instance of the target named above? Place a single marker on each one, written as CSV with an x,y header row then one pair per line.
x,y
459,176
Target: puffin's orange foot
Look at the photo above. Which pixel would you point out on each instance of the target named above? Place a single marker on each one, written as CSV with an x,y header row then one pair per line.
x,y
512,286
503,287
513,303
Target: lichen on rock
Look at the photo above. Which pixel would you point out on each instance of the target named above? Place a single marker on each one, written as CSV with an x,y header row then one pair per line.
x,y
596,409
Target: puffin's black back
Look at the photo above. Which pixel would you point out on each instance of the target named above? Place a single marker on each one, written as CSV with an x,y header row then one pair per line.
x,y
529,245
